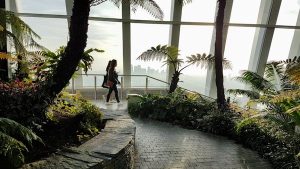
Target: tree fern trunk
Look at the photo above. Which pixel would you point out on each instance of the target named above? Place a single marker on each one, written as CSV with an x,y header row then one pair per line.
x,y
74,50
3,48
174,82
219,54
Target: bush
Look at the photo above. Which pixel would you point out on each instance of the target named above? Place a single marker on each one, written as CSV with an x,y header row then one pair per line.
x,y
74,107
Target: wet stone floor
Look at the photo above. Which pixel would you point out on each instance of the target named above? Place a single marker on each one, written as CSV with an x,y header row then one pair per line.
x,y
165,146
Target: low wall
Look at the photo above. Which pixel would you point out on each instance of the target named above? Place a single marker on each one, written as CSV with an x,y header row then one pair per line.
x,y
113,148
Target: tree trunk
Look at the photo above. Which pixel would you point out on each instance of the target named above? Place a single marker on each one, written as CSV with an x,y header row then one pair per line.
x,y
3,62
74,50
219,54
174,82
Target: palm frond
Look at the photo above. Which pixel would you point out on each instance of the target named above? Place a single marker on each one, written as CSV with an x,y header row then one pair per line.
x,y
204,60
248,93
293,73
155,53
23,33
282,119
18,131
295,113
272,68
149,5
256,81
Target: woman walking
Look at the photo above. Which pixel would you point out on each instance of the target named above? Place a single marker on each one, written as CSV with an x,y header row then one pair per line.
x,y
112,80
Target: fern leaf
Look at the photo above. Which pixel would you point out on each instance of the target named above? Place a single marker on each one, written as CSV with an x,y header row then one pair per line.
x,y
18,131
205,60
11,149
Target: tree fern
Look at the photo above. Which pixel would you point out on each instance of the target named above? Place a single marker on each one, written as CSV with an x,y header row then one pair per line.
x,y
23,36
13,140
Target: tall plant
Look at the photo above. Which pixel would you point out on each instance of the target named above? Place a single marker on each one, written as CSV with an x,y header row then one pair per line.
x,y
219,54
169,55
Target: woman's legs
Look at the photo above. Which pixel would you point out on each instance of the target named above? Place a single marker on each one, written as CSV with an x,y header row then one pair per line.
x,y
116,93
115,89
108,94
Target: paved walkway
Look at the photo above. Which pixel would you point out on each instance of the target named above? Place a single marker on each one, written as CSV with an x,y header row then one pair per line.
x,y
164,146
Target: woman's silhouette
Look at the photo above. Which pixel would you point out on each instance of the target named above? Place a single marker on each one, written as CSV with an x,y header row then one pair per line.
x,y
112,80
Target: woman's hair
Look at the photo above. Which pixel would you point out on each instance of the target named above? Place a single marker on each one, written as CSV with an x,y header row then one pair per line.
x,y
113,63
108,65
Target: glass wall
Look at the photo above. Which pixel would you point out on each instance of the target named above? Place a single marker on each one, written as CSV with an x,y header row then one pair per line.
x,y
143,37
245,11
53,32
199,11
237,51
42,6
193,40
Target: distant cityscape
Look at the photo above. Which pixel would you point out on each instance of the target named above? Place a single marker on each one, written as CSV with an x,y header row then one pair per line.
x,y
191,82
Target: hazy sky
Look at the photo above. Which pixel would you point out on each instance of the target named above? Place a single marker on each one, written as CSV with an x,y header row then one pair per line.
x,y
194,39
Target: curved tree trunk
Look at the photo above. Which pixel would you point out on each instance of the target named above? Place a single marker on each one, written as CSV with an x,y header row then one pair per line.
x,y
74,50
219,54
174,82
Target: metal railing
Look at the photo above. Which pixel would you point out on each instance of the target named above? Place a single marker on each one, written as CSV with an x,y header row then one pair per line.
x,y
99,78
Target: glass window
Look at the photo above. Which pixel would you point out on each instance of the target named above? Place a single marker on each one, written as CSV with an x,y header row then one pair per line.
x,y
106,9
193,40
42,6
199,11
143,37
108,37
245,11
288,13
281,44
53,31
142,14
237,51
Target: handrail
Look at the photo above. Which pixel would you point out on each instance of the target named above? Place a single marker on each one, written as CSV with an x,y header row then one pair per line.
x,y
146,87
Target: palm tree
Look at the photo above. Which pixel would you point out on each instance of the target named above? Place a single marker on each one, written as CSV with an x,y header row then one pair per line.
x,y
219,54
170,56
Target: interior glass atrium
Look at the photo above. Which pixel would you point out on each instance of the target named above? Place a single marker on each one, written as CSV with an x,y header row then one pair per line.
x,y
254,34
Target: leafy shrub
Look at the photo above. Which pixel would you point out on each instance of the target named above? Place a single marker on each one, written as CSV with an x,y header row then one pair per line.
x,y
22,103
14,140
69,106
277,146
218,122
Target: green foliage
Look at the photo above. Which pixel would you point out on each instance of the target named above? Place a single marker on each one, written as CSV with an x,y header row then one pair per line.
x,y
271,142
14,140
48,61
19,98
71,106
218,122
177,107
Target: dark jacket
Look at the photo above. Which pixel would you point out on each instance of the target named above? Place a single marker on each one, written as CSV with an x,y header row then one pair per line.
x,y
113,76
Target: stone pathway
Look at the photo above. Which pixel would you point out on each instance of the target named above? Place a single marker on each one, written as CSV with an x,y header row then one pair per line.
x,y
164,146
